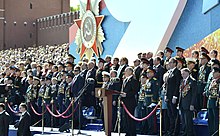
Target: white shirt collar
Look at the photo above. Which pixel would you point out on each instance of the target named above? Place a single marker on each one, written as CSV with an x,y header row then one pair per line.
x,y
2,112
127,78
22,114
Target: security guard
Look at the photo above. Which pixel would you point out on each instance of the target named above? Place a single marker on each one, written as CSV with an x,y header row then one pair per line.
x,y
204,71
212,103
151,99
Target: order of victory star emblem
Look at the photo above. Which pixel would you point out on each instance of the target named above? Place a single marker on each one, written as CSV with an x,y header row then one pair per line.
x,y
89,36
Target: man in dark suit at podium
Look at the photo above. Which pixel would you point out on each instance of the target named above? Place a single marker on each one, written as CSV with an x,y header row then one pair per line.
x,y
130,87
25,121
4,121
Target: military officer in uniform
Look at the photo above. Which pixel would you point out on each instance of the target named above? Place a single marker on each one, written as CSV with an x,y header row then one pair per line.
x,y
68,93
41,94
99,72
187,101
47,99
151,99
204,71
191,63
213,104
32,97
61,96
108,63
141,106
168,52
179,53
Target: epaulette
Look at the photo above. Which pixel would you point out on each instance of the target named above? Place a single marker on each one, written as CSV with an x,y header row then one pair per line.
x,y
208,65
154,78
194,70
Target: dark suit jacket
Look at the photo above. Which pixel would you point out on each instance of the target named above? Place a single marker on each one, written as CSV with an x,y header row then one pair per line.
x,y
137,72
122,72
159,74
190,93
77,85
4,121
24,125
131,88
173,83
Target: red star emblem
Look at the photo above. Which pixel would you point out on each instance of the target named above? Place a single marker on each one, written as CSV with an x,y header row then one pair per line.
x,y
98,22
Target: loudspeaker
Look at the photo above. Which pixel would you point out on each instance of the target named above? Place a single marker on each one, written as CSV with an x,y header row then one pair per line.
x,y
65,127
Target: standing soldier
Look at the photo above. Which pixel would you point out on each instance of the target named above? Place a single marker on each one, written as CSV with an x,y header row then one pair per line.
x,y
187,101
41,94
54,91
141,106
151,98
179,53
99,72
108,63
191,63
114,85
47,99
202,80
61,95
213,104
68,94
168,52
31,97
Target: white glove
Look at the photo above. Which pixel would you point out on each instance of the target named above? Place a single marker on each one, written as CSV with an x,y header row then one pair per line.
x,y
151,105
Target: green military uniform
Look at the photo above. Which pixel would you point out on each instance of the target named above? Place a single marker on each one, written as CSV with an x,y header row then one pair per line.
x,y
47,99
213,106
201,83
151,96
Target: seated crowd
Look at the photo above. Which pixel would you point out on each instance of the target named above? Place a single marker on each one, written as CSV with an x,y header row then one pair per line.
x,y
48,74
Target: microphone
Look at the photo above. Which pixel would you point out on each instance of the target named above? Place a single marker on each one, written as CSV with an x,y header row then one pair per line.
x,y
90,81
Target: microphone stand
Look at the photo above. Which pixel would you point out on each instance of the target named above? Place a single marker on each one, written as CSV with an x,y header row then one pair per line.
x,y
79,102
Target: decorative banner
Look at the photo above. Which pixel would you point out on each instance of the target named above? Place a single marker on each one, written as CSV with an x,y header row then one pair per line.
x,y
97,33
212,41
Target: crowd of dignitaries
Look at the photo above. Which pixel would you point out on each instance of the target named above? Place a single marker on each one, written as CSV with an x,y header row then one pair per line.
x,y
48,75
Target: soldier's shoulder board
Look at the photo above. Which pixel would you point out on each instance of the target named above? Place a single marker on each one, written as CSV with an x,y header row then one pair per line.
x,y
194,70
154,78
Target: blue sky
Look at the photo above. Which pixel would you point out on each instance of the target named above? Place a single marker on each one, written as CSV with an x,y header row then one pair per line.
x,y
149,21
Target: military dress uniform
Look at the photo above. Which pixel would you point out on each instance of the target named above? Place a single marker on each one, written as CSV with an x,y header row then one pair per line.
x,y
32,94
213,106
60,99
201,83
151,96
47,99
68,98
40,97
141,109
99,78
186,99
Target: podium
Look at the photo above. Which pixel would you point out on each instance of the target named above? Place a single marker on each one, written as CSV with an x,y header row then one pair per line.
x,y
107,98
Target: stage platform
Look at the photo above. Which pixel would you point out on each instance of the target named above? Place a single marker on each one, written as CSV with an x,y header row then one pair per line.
x,y
37,131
